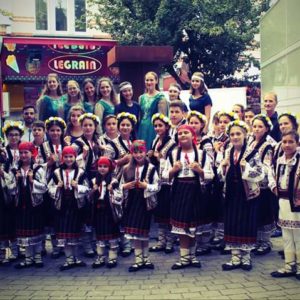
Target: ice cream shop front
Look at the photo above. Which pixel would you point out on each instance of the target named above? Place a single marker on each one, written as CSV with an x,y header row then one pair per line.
x,y
26,62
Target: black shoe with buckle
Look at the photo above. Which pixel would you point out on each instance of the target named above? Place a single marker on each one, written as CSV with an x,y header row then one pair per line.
x,y
148,265
112,263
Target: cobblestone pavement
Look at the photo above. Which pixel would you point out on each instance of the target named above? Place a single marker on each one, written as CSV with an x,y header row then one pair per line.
x,y
162,283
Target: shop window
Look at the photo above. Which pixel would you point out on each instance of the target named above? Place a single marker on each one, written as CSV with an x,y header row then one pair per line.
x,y
41,14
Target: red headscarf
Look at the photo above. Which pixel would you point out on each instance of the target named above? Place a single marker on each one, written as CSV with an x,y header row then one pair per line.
x,y
27,146
191,130
68,150
138,145
103,160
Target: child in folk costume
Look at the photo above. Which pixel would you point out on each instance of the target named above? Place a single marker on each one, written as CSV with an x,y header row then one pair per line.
x,y
69,189
49,157
162,145
13,131
242,171
187,167
104,218
221,143
31,186
198,122
286,185
261,126
140,184
7,230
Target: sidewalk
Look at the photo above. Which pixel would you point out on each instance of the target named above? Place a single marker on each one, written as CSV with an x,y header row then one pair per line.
x,y
162,283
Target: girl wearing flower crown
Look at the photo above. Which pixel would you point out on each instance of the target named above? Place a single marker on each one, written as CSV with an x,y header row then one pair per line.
x,y
31,185
261,127
140,183
69,189
162,145
242,172
49,157
187,169
105,220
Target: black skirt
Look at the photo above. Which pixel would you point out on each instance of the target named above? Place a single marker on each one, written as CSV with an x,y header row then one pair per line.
x,y
68,220
163,209
187,203
7,221
137,218
103,221
265,215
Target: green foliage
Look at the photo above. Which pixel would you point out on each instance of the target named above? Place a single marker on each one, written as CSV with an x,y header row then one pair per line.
x,y
211,33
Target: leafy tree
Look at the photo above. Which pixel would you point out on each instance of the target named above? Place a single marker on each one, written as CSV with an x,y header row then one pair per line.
x,y
212,34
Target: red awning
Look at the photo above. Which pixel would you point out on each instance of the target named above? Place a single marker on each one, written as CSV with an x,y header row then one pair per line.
x,y
57,41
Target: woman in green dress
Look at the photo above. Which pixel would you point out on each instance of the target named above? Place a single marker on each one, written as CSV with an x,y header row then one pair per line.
x,y
89,95
51,101
151,102
107,99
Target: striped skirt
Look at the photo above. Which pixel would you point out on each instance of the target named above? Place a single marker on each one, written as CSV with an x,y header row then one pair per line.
x,y
105,226
137,218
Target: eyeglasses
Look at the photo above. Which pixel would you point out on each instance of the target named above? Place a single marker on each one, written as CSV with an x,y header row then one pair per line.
x,y
13,134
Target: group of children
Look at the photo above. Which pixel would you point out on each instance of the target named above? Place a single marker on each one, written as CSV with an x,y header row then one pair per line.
x,y
193,184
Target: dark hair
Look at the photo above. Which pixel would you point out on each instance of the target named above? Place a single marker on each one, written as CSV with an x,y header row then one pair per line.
x,y
202,88
264,120
39,124
109,117
29,106
177,103
248,109
85,82
292,133
291,118
216,117
13,128
122,99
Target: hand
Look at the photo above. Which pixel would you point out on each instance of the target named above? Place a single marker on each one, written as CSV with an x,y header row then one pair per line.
x,y
109,188
95,187
129,185
60,184
150,153
218,146
30,175
67,140
196,167
51,160
177,166
74,184
275,191
157,154
18,174
142,184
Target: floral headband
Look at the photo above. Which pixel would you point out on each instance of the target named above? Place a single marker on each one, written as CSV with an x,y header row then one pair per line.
x,y
58,120
238,123
124,115
265,119
231,115
89,116
162,117
13,124
288,114
138,145
197,114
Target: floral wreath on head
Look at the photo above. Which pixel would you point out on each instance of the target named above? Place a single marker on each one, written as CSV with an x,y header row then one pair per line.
x,y
162,117
197,114
265,117
89,116
55,119
124,115
289,114
13,124
238,123
233,116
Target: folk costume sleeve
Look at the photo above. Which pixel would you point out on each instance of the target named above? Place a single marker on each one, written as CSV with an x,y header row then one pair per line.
x,y
253,171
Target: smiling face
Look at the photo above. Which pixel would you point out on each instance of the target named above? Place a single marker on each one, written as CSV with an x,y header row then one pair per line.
x,y
259,129
69,159
196,83
223,122
125,127
237,136
55,133
110,126
105,89
73,90
13,137
88,127
127,93
173,93
103,169
52,83
150,82
160,127
139,156
185,138
75,114
196,124
285,124
25,156
289,145
38,132
89,89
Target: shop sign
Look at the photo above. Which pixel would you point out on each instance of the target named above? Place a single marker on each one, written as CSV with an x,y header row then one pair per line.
x,y
74,65
74,49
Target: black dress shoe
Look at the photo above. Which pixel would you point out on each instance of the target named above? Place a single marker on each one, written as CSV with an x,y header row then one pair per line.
x,y
278,274
246,267
67,266
24,265
262,251
135,267
180,265
112,263
156,249
169,250
230,266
